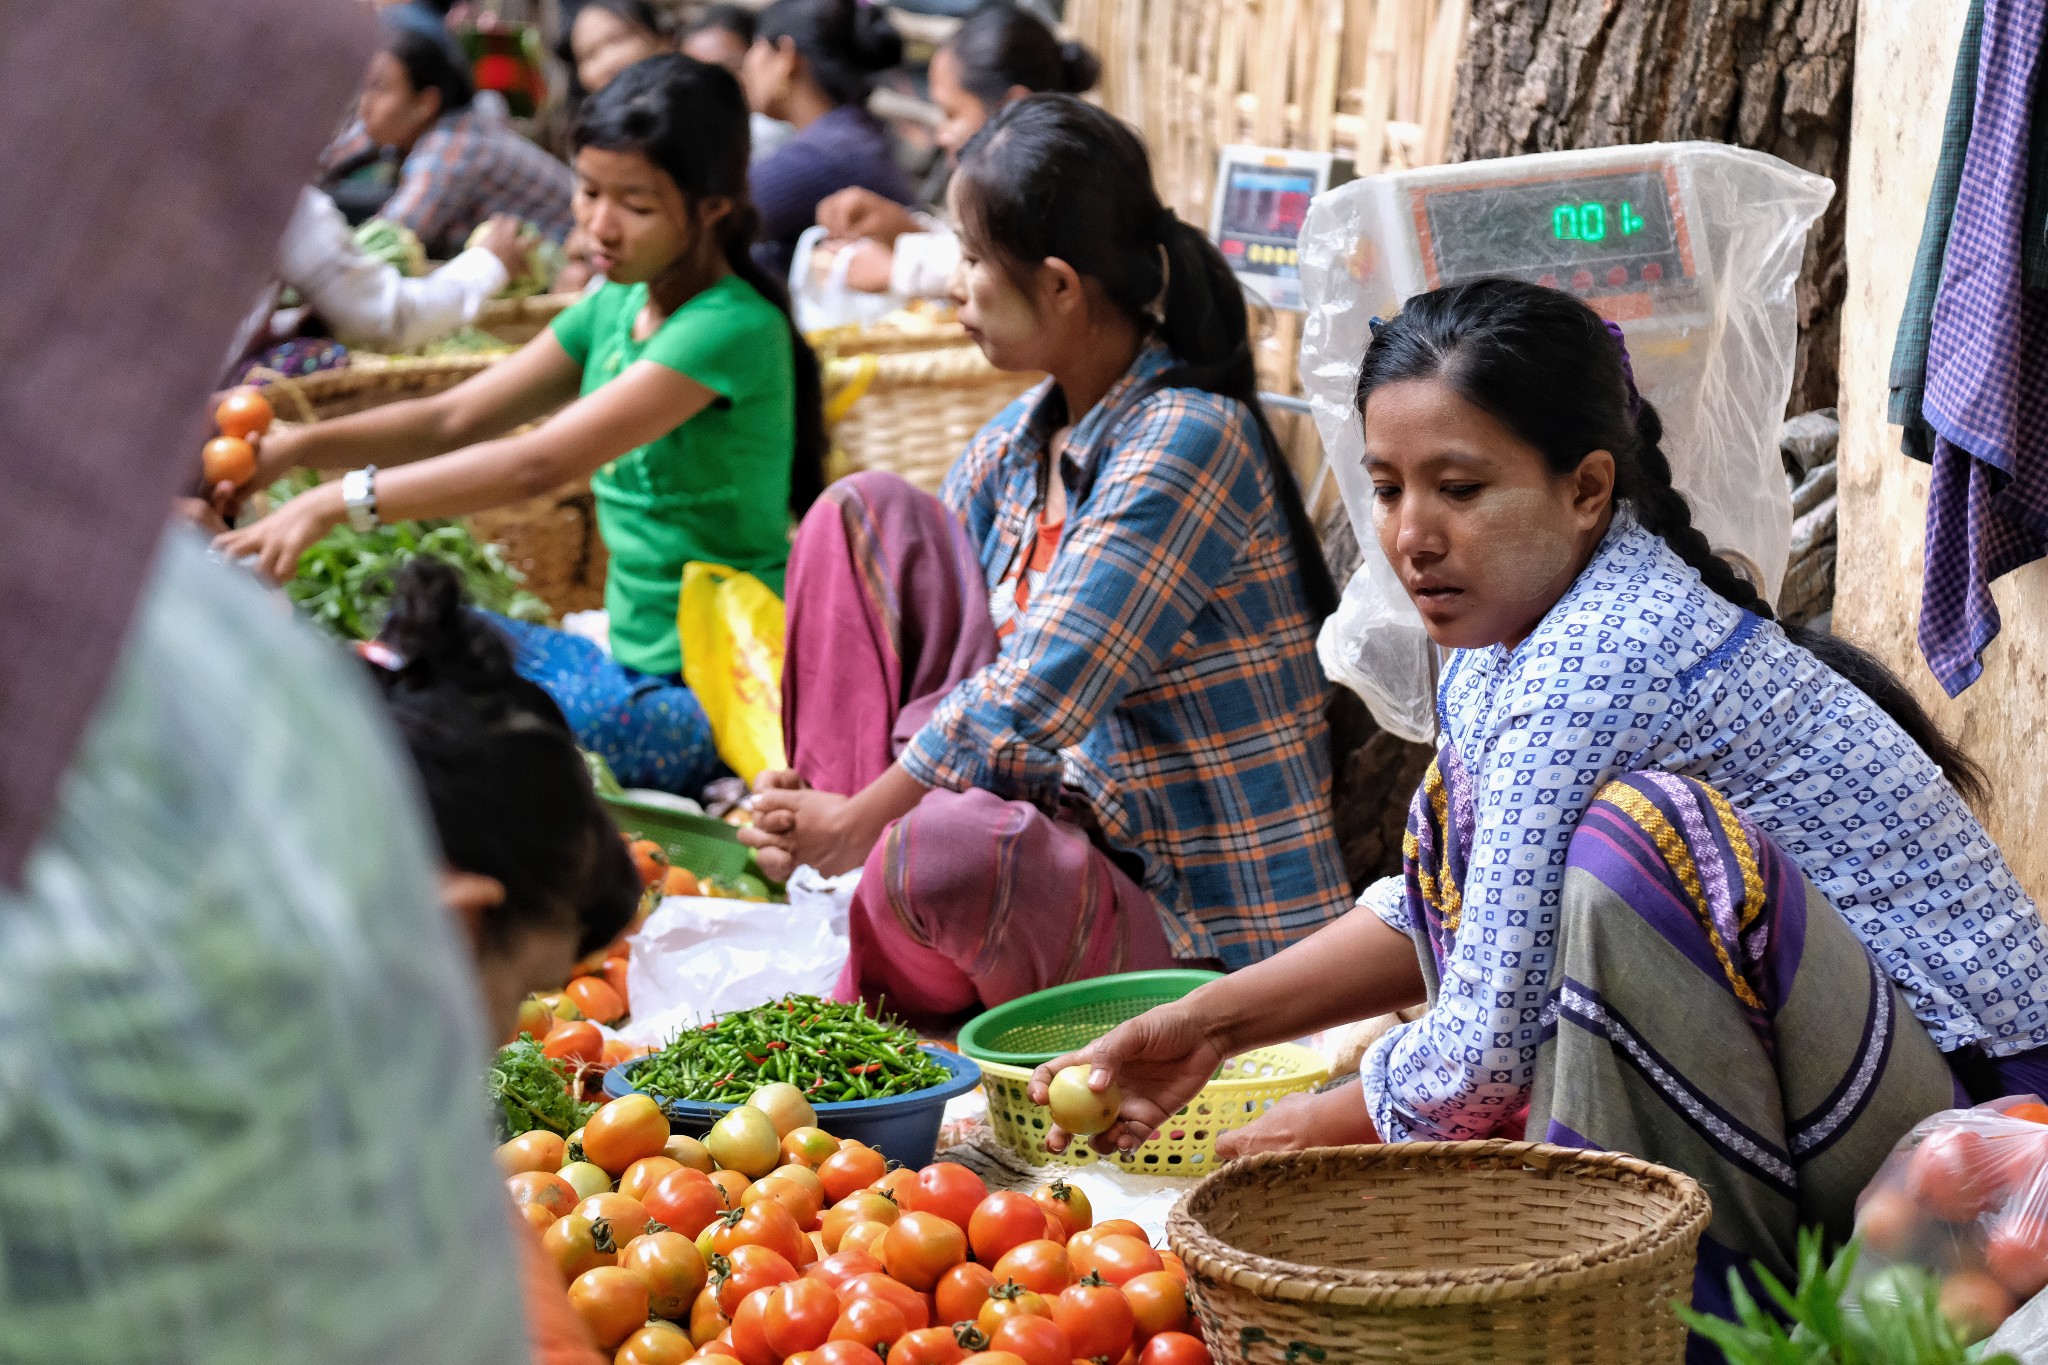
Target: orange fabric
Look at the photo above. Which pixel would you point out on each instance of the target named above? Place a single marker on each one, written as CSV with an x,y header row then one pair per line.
x,y
556,1334
1017,584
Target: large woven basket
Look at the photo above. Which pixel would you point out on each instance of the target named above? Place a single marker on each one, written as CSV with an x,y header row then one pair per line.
x,y
1442,1253
519,321
912,412
369,381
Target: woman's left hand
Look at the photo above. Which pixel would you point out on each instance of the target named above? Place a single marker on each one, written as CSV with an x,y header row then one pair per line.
x,y
281,538
1334,1118
806,827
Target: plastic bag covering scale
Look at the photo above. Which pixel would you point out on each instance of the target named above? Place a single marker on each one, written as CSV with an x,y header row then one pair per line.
x,y
1692,247
240,1047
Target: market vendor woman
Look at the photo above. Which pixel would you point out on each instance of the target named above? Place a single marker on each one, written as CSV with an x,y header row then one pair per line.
x,y
1681,882
698,420
1068,714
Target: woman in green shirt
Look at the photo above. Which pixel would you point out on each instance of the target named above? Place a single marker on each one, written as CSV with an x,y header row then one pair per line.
x,y
692,405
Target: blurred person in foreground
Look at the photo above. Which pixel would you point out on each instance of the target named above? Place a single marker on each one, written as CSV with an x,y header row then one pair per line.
x,y
239,1085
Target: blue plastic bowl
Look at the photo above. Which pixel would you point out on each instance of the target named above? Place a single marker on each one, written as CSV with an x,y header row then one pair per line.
x,y
903,1128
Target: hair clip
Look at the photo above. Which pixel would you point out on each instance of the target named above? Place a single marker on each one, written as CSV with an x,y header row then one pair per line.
x,y
1628,369
381,654
1378,324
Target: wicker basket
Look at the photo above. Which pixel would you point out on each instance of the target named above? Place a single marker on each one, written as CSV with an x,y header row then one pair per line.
x,y
519,321
369,381
1442,1253
912,412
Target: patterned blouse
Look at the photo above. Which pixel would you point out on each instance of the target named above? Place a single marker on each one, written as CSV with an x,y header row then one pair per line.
x,y
1641,667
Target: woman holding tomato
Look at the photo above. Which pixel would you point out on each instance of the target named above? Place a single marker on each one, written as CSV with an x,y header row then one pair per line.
x,y
692,406
1681,881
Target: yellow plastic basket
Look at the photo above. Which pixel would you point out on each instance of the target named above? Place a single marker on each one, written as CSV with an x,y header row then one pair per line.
x,y
1244,1088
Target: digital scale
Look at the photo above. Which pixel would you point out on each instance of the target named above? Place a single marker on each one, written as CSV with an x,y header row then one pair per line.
x,y
1261,202
1694,248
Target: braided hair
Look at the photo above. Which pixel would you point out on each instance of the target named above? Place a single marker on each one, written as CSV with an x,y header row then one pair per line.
x,y
1545,365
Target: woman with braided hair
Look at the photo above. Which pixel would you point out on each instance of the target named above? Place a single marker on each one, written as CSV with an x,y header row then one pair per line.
x,y
691,404
1681,881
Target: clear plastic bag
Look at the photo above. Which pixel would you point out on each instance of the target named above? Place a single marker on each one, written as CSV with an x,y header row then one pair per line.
x,y
822,300
1720,379
240,1044
1375,644
1963,1198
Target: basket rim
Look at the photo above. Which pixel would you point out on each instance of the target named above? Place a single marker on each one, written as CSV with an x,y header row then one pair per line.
x,y
1224,1086
1293,1282
1055,999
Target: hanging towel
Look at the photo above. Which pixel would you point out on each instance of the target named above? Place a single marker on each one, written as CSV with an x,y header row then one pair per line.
x,y
1986,394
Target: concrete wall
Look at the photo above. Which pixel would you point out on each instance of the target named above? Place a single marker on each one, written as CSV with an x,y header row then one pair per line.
x,y
1904,60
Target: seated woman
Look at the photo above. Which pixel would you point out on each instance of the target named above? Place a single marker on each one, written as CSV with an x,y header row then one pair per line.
x,y
532,867
1070,719
998,55
698,420
459,165
812,65
723,35
1681,882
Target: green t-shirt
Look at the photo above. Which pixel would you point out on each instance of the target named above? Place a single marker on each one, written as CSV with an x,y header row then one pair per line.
x,y
716,488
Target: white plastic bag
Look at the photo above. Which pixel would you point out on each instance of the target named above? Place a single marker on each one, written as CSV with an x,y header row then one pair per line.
x,y
1375,644
822,304
699,956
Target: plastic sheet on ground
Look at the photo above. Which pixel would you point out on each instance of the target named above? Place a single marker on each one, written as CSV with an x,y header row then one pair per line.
x,y
700,956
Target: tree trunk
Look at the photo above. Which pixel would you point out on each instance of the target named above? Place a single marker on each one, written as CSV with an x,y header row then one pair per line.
x,y
1551,75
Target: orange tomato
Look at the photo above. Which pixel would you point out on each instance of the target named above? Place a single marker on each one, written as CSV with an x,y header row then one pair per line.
x,y
809,1147
995,1358
545,1188
612,1303
862,1206
1041,1265
949,1190
872,1321
643,1175
2030,1110
617,1052
685,1200
1035,1340
732,1184
1116,1258
228,459
615,977
1006,1301
658,1343
707,1319
574,1042
803,1175
850,1169
679,881
751,1268
538,1150
916,1308
1068,1203
864,1236
668,1264
929,1346
624,1131
597,1000
843,1351
749,1333
627,1218
1175,1348
921,1247
1174,1266
538,1216
1890,1222
577,1244
1159,1303
649,860
1974,1304
799,1316
786,1192
962,1291
896,1184
763,1223
1002,1221
243,412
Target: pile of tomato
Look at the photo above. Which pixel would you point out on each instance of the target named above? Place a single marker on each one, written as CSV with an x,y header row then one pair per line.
x,y
810,1250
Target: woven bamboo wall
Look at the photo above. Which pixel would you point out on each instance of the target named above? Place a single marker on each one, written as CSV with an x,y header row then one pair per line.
x,y
1371,80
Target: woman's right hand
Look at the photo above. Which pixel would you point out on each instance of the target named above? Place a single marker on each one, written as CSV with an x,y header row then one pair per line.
x,y
1160,1060
855,212
277,454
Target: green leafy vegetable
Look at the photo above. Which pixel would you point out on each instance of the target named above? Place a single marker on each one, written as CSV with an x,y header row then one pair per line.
x,y
344,580
829,1050
393,243
532,1091
1901,1324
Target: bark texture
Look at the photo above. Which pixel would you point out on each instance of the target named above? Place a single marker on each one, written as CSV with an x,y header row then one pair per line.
x,y
1552,75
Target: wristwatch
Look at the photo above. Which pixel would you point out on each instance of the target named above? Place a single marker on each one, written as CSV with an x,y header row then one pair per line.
x,y
359,496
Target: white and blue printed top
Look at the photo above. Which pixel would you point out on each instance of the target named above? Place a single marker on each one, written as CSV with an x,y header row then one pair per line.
x,y
1640,667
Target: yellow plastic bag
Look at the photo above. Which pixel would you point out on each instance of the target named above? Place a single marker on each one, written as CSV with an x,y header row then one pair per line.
x,y
731,626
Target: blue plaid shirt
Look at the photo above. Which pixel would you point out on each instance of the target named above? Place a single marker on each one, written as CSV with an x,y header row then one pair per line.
x,y
1164,673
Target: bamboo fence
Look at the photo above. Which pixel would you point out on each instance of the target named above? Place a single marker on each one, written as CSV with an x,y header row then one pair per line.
x,y
1371,80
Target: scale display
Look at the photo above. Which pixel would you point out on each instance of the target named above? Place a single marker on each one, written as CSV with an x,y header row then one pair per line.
x,y
1262,199
1596,234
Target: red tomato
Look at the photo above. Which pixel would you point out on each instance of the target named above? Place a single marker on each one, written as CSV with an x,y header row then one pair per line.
x,y
843,1352
668,1264
545,1188
686,1201
1121,1227
917,1310
962,1291
1174,1266
538,1216
895,1184
1004,1220
612,1303
763,1223
615,977
1040,1341
2016,1254
748,1270
842,1266
929,1346
595,997
243,413
851,1169
865,1237
1067,1203
786,1192
1950,1173
749,1329
573,1243
995,1358
1008,1301
643,1175
872,1321
2031,1111
656,1344
799,1316
1159,1303
1116,1258
577,1042
1175,1348
1096,1318
948,1189
625,1130
921,1247
707,1319
1042,1266
1056,1229
862,1206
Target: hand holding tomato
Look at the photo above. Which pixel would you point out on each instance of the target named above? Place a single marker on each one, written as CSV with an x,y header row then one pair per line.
x,y
1159,1060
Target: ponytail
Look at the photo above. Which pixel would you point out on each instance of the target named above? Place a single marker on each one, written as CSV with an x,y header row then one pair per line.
x,y
1054,176
1548,368
690,119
